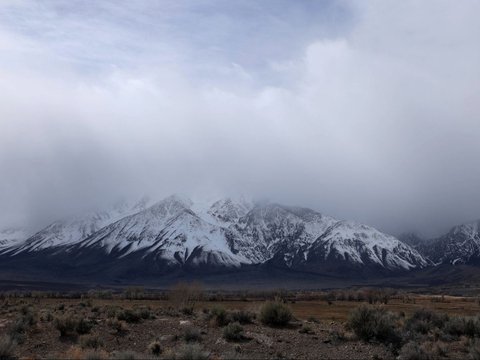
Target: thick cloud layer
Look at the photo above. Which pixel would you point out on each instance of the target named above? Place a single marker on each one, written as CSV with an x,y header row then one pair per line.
x,y
363,110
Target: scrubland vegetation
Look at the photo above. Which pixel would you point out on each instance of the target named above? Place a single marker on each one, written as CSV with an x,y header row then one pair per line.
x,y
186,322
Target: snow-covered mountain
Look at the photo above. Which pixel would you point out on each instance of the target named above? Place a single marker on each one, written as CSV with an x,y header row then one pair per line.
x,y
360,245
76,228
271,229
461,245
176,233
171,230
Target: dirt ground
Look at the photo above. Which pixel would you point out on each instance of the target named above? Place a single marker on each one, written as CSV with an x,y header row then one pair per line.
x,y
326,337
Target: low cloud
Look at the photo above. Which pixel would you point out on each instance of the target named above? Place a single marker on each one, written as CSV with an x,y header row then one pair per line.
x,y
370,115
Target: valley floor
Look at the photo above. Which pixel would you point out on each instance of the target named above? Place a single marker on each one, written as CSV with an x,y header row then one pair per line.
x,y
130,325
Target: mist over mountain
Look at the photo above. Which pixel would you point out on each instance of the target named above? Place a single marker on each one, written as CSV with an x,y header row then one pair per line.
x,y
340,106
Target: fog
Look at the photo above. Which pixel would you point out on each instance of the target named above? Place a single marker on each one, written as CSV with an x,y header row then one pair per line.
x,y
367,110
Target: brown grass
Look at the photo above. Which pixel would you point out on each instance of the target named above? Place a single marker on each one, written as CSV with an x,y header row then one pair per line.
x,y
337,311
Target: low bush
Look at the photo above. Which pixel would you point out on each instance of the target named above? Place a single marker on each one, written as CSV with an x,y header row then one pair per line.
x,y
462,326
243,317
25,321
192,334
18,330
189,352
275,314
7,348
187,310
474,350
65,325
413,351
90,342
112,311
145,313
28,317
233,332
129,316
306,329
219,314
372,323
155,348
423,321
83,326
337,336
117,325
48,317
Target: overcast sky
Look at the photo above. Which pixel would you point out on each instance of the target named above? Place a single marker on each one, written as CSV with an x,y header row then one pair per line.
x,y
364,110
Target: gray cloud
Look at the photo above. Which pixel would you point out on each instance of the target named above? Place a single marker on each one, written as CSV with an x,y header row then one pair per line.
x,y
367,111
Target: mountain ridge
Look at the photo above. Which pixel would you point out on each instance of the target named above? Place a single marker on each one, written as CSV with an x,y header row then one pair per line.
x,y
178,234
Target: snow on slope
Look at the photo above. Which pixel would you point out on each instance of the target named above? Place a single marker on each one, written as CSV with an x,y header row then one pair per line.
x,y
361,244
12,237
460,245
75,229
269,228
171,228
226,232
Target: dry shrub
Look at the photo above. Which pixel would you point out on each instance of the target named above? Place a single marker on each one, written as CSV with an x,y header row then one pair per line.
x,y
65,325
192,334
275,314
145,313
233,332
83,326
243,317
155,348
188,352
462,326
90,342
7,348
129,316
424,321
185,295
306,329
219,315
474,350
117,325
436,349
26,320
373,323
413,351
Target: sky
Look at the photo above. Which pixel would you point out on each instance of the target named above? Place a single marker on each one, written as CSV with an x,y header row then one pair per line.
x,y
363,110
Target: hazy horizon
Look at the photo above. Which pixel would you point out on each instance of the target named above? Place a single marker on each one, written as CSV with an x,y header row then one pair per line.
x,y
367,111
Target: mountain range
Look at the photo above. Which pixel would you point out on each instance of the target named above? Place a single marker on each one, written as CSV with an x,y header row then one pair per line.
x,y
176,235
